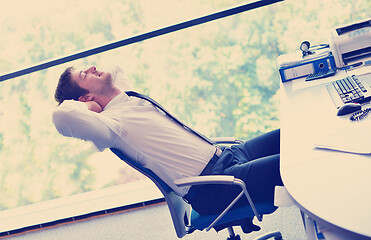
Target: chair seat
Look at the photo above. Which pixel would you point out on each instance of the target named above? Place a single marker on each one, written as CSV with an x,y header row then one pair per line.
x,y
179,209
201,222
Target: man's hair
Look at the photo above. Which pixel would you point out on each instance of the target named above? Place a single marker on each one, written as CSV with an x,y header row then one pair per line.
x,y
68,89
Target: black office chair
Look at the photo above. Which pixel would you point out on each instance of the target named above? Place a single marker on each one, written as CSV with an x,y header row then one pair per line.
x,y
187,220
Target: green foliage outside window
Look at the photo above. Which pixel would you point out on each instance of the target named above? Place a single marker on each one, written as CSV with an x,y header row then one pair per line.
x,y
218,77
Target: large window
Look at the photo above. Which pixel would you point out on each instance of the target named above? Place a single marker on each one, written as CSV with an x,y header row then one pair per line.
x,y
218,77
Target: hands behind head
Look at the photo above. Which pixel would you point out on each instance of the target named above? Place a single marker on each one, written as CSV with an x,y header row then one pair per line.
x,y
89,101
94,106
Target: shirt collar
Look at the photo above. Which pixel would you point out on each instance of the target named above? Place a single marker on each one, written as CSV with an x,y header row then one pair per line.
x,y
119,98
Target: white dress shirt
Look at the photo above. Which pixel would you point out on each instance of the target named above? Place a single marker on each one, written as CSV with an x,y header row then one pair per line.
x,y
137,128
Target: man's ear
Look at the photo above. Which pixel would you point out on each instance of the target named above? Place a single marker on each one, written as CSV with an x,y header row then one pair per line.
x,y
85,98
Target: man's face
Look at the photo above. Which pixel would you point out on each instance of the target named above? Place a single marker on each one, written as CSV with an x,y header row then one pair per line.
x,y
94,81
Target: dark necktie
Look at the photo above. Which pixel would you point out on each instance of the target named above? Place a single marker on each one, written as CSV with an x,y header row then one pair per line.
x,y
156,104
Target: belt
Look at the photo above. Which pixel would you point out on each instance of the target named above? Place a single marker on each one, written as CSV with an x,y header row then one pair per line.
x,y
210,165
218,151
207,170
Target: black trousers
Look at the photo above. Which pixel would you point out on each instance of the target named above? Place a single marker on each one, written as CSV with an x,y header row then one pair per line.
x,y
256,162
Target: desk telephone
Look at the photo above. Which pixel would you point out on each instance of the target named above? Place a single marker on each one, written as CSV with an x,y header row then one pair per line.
x,y
359,115
349,90
352,89
321,74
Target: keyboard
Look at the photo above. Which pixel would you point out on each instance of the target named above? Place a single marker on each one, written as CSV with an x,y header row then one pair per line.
x,y
350,89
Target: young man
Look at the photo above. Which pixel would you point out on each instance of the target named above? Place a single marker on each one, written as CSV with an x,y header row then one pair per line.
x,y
92,108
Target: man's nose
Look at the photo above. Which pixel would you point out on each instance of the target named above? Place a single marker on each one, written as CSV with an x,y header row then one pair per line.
x,y
92,69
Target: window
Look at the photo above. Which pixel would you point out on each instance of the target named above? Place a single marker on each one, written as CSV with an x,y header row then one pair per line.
x,y
219,77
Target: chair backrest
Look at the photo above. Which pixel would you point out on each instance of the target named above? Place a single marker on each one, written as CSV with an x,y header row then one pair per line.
x,y
179,209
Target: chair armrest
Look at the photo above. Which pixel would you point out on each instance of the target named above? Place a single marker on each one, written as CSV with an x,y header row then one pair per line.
x,y
210,179
226,140
220,179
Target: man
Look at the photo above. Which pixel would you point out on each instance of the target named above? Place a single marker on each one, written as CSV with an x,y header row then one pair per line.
x,y
92,108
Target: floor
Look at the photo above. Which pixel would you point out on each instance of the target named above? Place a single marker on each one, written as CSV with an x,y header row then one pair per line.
x,y
154,223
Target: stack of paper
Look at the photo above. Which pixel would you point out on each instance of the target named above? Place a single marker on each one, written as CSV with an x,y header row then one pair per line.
x,y
354,138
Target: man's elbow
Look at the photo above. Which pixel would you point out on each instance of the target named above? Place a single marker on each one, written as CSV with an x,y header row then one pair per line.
x,y
60,119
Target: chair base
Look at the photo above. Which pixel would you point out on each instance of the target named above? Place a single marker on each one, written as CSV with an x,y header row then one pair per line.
x,y
235,237
232,235
275,235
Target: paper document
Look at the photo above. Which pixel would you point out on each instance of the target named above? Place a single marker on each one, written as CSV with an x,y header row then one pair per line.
x,y
354,138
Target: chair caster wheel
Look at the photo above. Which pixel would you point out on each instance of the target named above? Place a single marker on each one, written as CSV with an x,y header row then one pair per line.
x,y
278,236
235,237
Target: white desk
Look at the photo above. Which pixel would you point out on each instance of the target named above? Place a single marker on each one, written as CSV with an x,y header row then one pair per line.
x,y
332,188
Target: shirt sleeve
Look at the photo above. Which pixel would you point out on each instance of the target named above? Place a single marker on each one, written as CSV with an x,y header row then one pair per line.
x,y
74,119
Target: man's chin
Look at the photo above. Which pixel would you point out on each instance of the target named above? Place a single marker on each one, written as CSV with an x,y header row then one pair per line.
x,y
107,76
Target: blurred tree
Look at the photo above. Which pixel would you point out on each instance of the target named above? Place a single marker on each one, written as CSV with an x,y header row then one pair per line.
x,y
219,77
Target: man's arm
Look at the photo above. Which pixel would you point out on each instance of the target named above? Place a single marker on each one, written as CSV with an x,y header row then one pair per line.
x,y
94,106
74,119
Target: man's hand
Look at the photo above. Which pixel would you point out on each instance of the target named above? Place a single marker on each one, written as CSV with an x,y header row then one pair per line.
x,y
94,106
